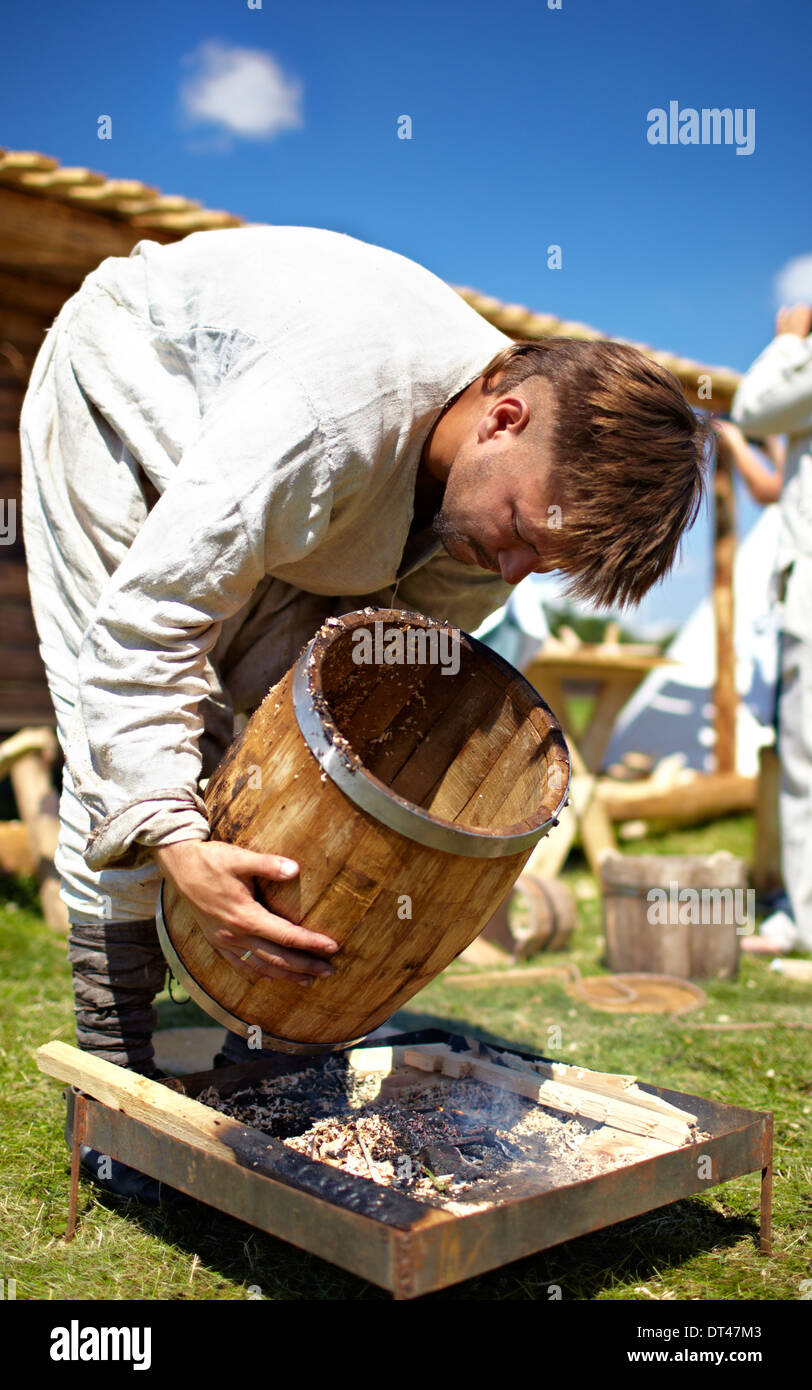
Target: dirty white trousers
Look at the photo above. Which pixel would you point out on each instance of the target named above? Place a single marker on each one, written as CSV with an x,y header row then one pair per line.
x,y
795,751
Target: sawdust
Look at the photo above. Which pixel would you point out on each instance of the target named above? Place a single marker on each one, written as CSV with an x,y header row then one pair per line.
x,y
458,1144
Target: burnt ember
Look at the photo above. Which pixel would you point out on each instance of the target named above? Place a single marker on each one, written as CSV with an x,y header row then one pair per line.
x,y
442,1140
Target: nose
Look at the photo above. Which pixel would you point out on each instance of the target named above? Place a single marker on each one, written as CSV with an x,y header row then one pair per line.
x,y
516,565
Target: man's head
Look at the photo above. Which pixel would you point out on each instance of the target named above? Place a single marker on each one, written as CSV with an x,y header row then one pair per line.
x,y
571,455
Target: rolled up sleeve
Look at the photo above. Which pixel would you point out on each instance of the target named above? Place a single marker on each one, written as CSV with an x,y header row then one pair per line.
x,y
775,395
253,491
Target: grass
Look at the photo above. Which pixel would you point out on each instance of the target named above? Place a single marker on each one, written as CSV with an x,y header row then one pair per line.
x,y
705,1247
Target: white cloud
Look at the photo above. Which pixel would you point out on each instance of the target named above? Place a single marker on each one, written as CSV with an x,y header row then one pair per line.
x,y
793,283
241,90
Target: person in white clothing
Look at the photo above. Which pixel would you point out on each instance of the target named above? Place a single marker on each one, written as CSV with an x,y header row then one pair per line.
x,y
228,439
775,398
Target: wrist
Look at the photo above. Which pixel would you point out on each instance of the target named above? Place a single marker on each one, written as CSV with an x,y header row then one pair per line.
x,y
166,855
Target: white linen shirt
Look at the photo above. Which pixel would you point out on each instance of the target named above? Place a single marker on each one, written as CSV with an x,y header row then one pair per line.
x,y
775,397
277,386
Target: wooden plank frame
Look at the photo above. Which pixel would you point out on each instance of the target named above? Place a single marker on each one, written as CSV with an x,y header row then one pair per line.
x,y
381,1235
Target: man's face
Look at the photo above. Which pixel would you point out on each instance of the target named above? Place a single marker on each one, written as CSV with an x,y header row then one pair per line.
x,y
500,509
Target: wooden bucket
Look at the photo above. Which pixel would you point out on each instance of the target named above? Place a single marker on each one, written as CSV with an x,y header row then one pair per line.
x,y
538,915
410,796
680,915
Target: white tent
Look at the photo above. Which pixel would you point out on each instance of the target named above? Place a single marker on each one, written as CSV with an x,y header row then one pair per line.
x,y
672,710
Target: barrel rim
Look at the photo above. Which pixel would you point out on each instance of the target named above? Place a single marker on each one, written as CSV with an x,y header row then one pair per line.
x,y
372,795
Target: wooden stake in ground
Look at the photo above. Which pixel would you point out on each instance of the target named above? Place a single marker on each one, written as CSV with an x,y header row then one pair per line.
x,y
725,697
27,758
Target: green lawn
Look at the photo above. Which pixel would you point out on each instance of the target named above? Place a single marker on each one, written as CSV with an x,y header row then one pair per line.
x,y
705,1247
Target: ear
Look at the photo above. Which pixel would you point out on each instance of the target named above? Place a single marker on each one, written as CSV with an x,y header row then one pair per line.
x,y
508,415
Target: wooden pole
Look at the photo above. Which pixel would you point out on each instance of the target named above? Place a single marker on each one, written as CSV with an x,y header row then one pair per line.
x,y
724,552
766,869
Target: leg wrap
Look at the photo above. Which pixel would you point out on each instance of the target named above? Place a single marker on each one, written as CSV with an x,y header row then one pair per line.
x,y
118,968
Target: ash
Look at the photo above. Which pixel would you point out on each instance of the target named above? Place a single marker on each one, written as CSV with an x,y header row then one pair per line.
x,y
451,1143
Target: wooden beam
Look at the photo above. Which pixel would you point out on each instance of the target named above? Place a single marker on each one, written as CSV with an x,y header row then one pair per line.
x,y
725,697
706,796
60,243
145,1100
19,291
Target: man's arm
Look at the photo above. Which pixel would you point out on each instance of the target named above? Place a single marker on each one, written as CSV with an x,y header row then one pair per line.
x,y
775,395
763,484
253,491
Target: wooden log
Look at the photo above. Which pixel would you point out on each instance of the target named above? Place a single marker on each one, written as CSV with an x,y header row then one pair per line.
x,y
24,329
11,490
705,796
585,815
13,580
725,697
19,628
401,889
22,744
9,450
59,243
11,400
25,702
27,666
15,848
38,805
24,292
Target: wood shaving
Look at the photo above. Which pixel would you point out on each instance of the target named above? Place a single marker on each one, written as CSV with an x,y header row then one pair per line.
x,y
454,1143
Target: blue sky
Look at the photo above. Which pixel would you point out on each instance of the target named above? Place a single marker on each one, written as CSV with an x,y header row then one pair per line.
x,y
528,128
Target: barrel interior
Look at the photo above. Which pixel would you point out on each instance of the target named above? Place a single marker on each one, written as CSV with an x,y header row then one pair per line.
x,y
444,725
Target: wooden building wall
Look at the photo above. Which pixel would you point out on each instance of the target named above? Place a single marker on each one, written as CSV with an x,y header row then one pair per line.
x,y
46,250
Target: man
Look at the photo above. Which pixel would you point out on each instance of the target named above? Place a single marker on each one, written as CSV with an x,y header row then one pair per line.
x,y
775,397
225,441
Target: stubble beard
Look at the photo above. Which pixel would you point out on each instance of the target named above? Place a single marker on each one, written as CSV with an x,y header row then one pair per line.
x,y
452,538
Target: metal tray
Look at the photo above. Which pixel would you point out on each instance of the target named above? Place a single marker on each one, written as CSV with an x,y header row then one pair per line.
x,y
395,1241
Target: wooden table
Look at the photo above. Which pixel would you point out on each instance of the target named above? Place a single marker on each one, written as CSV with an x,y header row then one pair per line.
x,y
613,671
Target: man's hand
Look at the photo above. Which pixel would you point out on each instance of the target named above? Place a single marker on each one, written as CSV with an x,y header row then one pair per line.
x,y
797,320
218,881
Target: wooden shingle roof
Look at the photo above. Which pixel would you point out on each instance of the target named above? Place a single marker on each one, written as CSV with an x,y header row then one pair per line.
x,y
126,199
141,206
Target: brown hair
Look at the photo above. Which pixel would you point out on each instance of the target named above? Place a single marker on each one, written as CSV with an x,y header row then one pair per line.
x,y
629,459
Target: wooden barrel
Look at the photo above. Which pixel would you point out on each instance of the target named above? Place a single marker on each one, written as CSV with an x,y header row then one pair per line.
x,y
409,770
680,915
